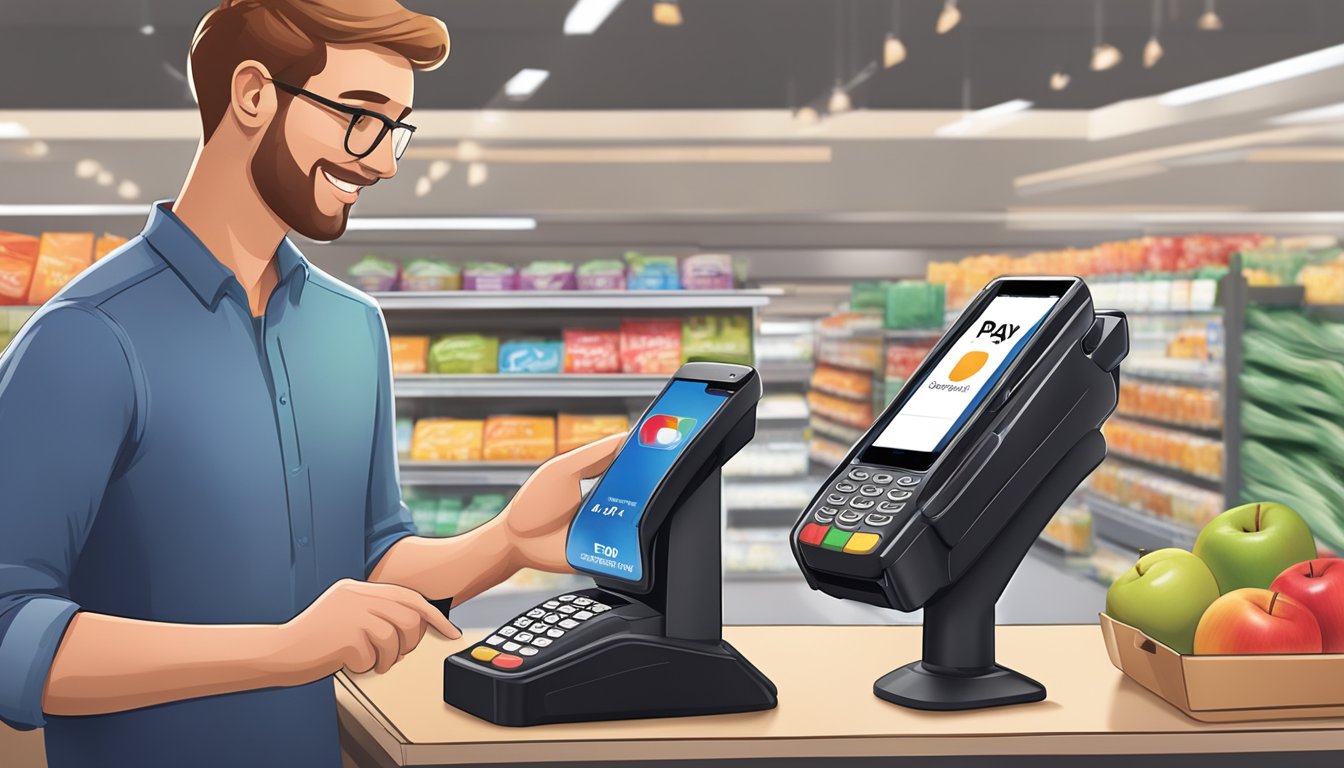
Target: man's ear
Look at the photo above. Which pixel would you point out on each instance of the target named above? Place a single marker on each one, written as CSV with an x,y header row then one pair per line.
x,y
252,101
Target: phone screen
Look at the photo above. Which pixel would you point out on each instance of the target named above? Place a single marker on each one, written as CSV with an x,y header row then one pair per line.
x,y
604,537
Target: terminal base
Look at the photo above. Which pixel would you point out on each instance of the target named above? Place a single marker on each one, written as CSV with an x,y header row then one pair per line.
x,y
918,686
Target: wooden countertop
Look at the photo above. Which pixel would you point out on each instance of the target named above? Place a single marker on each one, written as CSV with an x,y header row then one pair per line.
x,y
826,709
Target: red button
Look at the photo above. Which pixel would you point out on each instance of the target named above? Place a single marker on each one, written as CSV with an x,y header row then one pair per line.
x,y
507,661
812,534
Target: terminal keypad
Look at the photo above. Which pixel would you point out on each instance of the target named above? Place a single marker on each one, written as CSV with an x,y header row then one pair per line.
x,y
524,640
860,508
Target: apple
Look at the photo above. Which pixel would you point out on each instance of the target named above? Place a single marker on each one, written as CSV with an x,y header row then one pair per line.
x,y
1319,586
1164,595
1250,545
1257,621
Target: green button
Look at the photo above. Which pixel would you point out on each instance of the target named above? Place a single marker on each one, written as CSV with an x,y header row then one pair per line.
x,y
836,539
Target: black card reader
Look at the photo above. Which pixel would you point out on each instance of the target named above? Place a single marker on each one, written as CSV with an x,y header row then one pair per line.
x,y
646,640
937,504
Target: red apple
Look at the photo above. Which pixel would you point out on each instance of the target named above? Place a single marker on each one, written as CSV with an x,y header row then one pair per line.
x,y
1251,621
1319,586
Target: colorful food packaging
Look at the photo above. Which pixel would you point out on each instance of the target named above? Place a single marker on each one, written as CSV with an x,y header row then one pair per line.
x,y
448,515
107,244
650,346
531,356
575,431
447,440
430,275
592,351
410,354
18,256
489,276
548,276
61,256
372,274
707,272
405,431
651,273
602,275
717,339
464,353
519,438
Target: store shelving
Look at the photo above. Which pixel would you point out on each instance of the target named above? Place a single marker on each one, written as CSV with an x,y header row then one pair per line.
x,y
466,474
531,386
1136,529
1203,481
1202,430
572,300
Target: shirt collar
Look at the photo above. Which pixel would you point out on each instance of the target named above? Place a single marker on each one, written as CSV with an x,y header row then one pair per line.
x,y
198,268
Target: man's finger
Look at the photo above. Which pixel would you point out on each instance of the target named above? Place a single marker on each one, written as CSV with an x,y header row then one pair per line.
x,y
407,622
593,459
435,618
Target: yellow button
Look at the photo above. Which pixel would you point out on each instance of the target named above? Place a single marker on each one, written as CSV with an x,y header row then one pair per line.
x,y
862,543
481,653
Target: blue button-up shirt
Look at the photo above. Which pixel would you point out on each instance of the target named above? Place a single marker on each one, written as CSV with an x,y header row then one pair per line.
x,y
164,458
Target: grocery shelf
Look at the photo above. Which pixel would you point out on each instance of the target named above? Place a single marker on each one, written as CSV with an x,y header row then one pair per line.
x,y
568,300
735,575
1136,530
476,473
1200,373
1210,483
786,418
1331,312
528,385
764,517
1201,430
914,334
785,371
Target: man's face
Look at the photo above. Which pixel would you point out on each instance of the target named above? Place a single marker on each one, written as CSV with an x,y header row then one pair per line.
x,y
301,168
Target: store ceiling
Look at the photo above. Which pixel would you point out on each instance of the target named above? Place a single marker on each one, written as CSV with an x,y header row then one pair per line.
x,y
729,54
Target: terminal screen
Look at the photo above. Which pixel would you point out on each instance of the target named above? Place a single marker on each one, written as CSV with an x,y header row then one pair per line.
x,y
604,537
946,397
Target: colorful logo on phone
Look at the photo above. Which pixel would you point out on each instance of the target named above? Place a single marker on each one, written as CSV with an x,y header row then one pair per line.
x,y
968,366
665,433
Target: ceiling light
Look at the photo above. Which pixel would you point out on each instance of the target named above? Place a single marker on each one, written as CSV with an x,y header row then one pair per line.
x,y
11,130
525,83
1059,81
128,190
1209,21
807,116
147,30
587,15
667,13
1152,53
468,151
1279,71
482,223
422,186
839,102
949,18
984,118
477,174
893,51
36,149
87,169
104,179
438,169
1105,56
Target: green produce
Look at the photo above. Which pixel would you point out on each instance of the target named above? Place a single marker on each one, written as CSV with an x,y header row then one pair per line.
x,y
1299,478
1302,335
1164,595
1250,545
1326,374
1291,395
1324,436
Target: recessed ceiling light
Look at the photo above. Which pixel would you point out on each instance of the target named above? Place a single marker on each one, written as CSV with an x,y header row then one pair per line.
x,y
438,169
477,174
87,169
587,15
423,186
147,30
525,83
468,150
104,179
128,190
36,149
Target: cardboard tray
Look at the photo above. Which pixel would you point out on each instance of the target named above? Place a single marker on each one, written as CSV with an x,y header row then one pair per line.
x,y
1228,689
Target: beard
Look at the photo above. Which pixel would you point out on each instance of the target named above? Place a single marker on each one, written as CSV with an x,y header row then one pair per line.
x,y
289,192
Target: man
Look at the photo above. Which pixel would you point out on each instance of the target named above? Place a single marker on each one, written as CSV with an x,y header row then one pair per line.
x,y
199,463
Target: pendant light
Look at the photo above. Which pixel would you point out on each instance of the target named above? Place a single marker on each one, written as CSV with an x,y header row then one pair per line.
x,y
893,50
808,115
949,18
1152,52
667,13
1209,21
1104,55
839,101
1059,81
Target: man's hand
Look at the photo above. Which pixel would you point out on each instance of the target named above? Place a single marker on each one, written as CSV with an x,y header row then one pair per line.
x,y
361,626
538,518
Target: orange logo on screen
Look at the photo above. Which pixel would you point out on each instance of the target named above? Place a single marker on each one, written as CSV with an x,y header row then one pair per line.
x,y
968,366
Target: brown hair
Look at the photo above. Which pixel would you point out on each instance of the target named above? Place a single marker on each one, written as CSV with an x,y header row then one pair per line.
x,y
290,37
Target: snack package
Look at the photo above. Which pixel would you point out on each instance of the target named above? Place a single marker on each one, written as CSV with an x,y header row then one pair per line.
x,y
423,513
430,275
107,244
61,256
519,438
447,440
448,515
650,346
548,276
531,356
592,351
18,256
651,273
707,272
464,353
372,274
575,431
405,431
489,276
717,339
602,275
410,354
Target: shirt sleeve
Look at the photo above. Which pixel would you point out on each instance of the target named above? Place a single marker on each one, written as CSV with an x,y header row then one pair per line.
x,y
386,519
67,408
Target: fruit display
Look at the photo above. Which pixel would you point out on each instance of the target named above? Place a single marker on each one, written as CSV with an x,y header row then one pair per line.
x,y
1250,545
1190,406
1318,585
637,271
1319,270
1257,621
1200,456
1165,593
1162,497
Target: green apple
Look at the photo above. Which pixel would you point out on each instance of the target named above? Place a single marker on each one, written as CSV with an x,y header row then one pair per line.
x,y
1250,545
1164,595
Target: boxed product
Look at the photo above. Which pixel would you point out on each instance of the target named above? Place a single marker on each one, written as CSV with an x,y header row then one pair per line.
x,y
592,351
489,276
911,304
519,438
405,430
448,516
707,272
464,353
574,431
430,275
372,274
423,514
410,354
447,440
650,346
107,244
548,276
531,356
61,256
717,339
651,273
601,275
18,256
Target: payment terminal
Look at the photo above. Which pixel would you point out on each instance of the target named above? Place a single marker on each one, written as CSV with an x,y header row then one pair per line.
x,y
937,504
646,639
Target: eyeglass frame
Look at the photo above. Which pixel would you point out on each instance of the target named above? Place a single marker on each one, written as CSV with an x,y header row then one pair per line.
x,y
355,113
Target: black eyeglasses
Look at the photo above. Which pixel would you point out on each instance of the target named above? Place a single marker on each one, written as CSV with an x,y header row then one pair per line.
x,y
367,128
